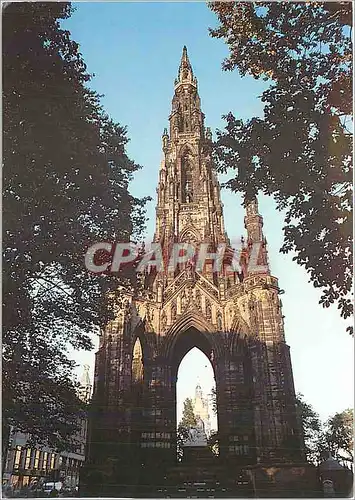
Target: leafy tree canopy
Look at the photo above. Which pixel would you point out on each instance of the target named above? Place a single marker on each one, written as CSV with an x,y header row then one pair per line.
x,y
300,150
65,187
213,397
187,422
313,434
340,435
188,419
335,436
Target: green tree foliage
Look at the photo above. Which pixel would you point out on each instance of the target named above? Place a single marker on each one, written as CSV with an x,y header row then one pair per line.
x,y
188,416
313,432
65,187
339,435
187,422
213,397
213,442
335,436
300,150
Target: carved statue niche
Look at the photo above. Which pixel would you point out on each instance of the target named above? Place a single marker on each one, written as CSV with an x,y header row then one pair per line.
x,y
188,191
195,122
219,321
198,299
190,274
183,300
208,310
163,321
173,311
187,179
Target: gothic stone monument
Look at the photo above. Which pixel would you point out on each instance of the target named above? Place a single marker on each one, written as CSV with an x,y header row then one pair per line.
x,y
234,317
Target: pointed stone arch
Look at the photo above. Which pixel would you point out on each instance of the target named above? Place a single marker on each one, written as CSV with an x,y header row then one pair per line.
x,y
193,320
239,325
187,181
240,331
186,148
190,230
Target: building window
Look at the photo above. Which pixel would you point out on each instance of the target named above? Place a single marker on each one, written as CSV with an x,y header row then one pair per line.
x,y
45,458
17,457
14,480
28,458
52,461
239,449
36,461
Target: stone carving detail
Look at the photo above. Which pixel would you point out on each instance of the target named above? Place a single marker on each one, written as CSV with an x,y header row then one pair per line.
x,y
197,434
219,321
209,288
163,321
208,310
184,299
178,283
173,311
198,299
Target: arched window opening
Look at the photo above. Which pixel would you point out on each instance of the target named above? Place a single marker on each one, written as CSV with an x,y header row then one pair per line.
x,y
196,404
187,180
137,362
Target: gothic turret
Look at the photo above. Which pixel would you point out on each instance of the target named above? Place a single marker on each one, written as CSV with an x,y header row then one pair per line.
x,y
253,223
84,391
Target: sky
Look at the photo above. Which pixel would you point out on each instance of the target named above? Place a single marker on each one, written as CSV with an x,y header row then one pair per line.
x,y
134,51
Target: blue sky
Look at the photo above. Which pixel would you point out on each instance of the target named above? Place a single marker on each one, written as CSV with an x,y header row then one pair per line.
x,y
134,50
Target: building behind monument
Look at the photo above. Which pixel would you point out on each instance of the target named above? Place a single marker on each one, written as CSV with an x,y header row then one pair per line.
x,y
30,468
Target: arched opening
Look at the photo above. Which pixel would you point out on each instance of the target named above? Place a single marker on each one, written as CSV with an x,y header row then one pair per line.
x,y
196,380
186,177
137,362
196,408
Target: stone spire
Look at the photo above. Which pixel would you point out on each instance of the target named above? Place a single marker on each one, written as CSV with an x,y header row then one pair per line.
x,y
84,391
198,390
253,223
189,207
186,116
185,74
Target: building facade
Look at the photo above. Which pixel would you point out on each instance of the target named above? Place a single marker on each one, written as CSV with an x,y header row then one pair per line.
x,y
27,467
233,315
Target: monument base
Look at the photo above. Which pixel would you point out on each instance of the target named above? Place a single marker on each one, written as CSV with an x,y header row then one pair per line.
x,y
198,455
214,480
202,475
285,480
